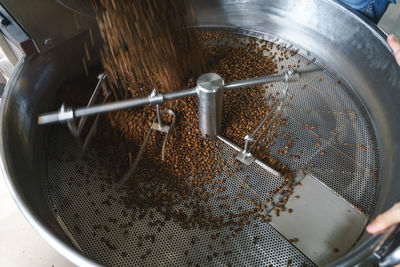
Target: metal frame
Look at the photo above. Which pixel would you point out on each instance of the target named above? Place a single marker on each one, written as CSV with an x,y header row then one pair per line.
x,y
66,114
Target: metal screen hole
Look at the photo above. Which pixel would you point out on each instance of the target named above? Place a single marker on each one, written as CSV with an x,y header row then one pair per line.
x,y
113,235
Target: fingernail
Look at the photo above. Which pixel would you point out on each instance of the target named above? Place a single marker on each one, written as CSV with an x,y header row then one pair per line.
x,y
391,37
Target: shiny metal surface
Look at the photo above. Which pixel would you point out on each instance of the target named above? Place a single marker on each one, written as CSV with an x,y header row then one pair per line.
x,y
29,92
70,114
92,99
320,220
167,249
7,59
289,76
392,258
255,160
210,91
352,47
366,253
15,34
67,114
250,141
275,112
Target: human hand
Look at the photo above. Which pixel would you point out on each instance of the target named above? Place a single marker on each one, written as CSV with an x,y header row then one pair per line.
x,y
385,220
395,45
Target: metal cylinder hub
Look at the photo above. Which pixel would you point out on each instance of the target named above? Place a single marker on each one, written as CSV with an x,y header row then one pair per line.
x,y
210,93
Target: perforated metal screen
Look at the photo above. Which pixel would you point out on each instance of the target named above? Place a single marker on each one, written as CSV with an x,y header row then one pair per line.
x,y
336,144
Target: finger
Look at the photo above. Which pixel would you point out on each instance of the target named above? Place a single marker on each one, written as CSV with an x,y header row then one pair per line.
x,y
395,46
385,220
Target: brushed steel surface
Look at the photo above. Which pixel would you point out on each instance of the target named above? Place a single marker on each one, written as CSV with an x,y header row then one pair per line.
x,y
30,91
325,225
210,92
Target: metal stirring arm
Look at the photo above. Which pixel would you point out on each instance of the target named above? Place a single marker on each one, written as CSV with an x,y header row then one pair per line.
x,y
93,98
164,128
157,125
77,130
66,114
139,156
245,156
274,113
209,90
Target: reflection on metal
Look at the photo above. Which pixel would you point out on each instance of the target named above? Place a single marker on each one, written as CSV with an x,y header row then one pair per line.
x,y
387,252
245,156
8,51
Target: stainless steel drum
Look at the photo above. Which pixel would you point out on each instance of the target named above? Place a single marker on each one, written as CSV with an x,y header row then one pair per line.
x,y
351,176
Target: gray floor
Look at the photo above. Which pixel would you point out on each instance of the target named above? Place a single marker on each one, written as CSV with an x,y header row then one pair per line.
x,y
390,22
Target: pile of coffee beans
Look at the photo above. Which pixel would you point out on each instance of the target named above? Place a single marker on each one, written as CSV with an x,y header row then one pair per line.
x,y
180,187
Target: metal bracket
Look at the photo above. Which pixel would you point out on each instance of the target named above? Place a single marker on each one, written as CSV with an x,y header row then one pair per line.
x,y
260,163
77,130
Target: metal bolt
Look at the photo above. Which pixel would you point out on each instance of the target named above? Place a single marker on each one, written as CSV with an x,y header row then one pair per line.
x,y
5,22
